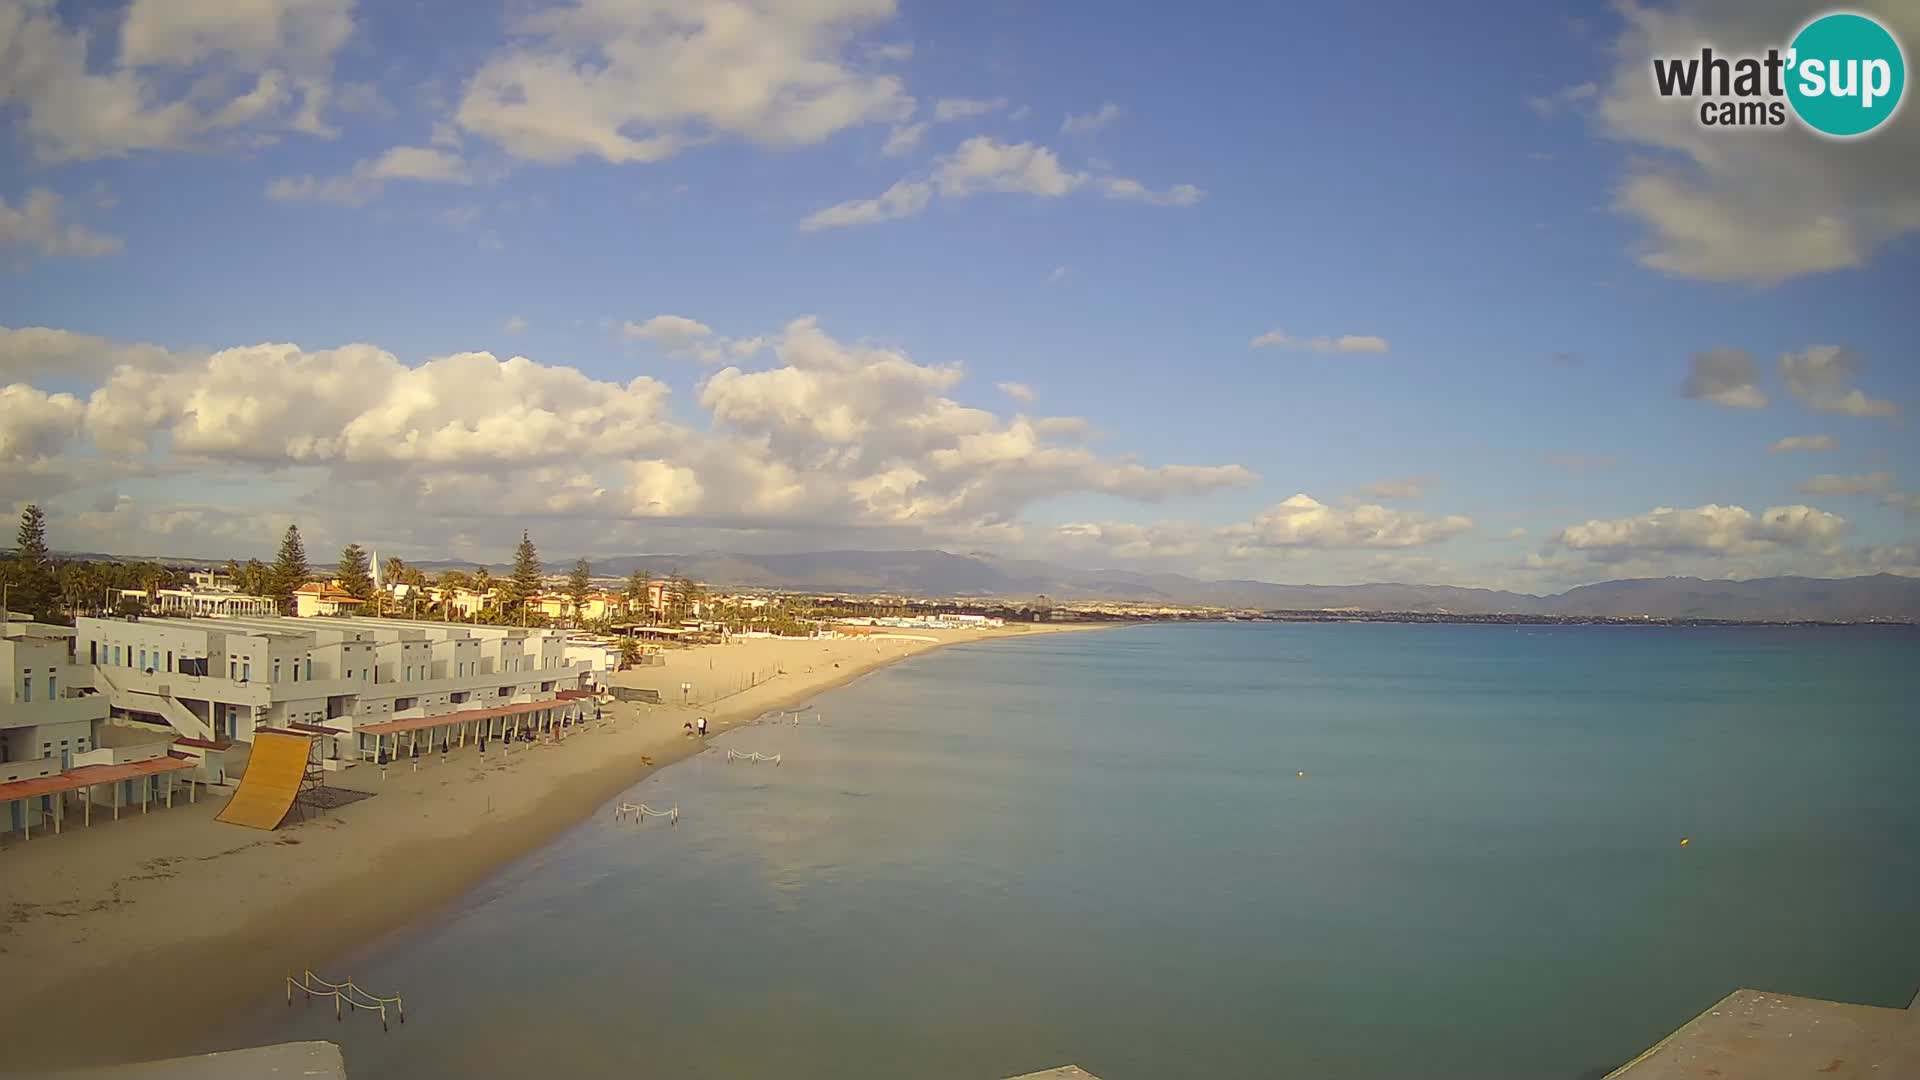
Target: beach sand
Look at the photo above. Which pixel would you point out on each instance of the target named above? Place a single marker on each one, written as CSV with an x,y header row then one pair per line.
x,y
133,939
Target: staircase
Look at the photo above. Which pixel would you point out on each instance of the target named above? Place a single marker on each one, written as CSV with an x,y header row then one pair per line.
x,y
177,716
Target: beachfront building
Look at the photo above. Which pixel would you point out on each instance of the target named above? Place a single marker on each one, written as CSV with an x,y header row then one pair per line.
x,y
317,598
343,677
211,602
58,753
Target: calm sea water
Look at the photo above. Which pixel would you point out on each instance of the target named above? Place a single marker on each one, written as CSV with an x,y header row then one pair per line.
x,y
1097,848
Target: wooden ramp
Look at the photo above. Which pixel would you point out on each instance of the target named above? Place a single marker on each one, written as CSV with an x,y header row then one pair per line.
x,y
272,779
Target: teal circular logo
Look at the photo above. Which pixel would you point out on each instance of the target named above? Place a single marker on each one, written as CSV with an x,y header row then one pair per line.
x,y
1846,74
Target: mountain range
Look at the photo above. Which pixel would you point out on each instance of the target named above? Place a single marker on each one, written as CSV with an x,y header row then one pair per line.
x,y
946,574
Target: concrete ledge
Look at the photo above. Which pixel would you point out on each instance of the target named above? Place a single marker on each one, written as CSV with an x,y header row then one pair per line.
x,y
306,1060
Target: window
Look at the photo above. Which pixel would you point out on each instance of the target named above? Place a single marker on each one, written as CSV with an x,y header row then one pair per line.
x,y
246,671
169,659
309,669
233,668
143,659
276,669
116,656
26,688
53,687
93,652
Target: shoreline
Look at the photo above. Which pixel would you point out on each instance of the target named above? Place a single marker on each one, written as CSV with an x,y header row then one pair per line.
x,y
149,930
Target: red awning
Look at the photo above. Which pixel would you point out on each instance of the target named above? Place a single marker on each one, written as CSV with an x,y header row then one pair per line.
x,y
395,727
89,775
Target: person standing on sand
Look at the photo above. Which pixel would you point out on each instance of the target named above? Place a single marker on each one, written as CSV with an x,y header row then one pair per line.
x,y
703,727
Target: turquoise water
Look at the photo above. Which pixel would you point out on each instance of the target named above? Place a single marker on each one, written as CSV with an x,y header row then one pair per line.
x,y
1096,848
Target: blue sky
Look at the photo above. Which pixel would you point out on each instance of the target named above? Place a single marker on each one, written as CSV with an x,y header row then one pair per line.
x,y
1525,248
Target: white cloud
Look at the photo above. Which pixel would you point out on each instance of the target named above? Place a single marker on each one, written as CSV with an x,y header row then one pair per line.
x,y
1818,376
364,182
34,425
903,140
948,109
31,351
630,82
1301,521
984,164
1801,443
1019,392
1345,343
669,331
1721,206
1726,377
35,226
515,324
826,436
1563,99
1082,123
1876,483
1711,529
1059,274
183,73
1907,502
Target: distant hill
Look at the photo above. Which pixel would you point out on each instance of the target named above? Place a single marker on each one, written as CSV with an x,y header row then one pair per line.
x,y
943,573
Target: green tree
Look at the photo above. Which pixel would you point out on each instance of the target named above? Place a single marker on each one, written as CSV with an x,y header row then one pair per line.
x,y
629,652
579,584
356,572
289,569
254,579
35,588
527,575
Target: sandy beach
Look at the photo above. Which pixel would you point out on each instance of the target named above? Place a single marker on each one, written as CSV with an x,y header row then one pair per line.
x,y
132,939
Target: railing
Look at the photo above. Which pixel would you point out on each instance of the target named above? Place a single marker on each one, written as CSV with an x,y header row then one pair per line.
x,y
751,755
345,995
641,812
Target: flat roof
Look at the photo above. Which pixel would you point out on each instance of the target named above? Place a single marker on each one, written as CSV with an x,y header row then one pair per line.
x,y
415,723
89,775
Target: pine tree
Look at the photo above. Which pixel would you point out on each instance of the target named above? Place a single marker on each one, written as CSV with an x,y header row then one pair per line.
x,y
527,574
579,584
35,588
290,569
356,572
639,590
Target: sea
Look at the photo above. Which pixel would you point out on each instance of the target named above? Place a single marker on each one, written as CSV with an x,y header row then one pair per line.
x,y
1205,850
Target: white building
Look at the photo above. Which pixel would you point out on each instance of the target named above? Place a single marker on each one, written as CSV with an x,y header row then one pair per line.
x,y
212,679
54,745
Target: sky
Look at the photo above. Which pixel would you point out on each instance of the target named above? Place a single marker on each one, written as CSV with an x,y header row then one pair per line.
x,y
1318,293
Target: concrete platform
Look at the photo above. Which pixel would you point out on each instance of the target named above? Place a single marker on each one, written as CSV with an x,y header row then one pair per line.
x,y
305,1060
1753,1035
1064,1072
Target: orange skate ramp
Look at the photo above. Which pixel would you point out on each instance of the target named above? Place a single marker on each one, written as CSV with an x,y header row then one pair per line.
x,y
272,779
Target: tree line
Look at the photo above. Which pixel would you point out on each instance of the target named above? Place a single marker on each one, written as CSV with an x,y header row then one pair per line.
x,y
33,582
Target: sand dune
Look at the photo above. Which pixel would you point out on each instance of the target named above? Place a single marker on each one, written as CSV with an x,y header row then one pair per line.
x,y
131,938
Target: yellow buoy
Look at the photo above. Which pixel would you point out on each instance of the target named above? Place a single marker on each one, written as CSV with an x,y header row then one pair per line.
x,y
1684,841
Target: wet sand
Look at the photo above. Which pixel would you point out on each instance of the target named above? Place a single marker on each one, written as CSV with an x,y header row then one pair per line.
x,y
132,939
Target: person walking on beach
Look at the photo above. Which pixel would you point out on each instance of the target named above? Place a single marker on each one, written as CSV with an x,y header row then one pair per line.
x,y
703,727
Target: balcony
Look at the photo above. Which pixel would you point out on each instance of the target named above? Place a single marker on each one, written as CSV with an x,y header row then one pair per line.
x,y
56,711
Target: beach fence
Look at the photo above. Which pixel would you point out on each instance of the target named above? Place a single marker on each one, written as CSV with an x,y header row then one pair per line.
x,y
345,995
751,755
639,812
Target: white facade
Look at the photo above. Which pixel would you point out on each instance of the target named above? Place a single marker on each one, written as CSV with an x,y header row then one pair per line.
x,y
226,678
45,719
